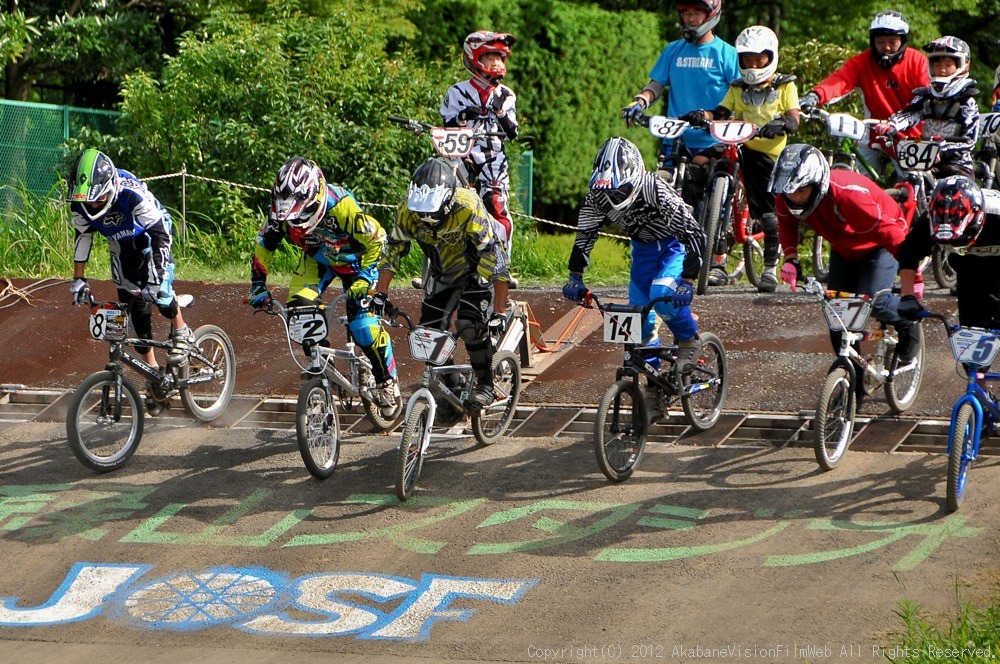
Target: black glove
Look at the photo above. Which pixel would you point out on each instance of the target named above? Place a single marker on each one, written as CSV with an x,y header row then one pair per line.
x,y
773,129
496,326
695,118
379,305
988,152
909,307
467,114
500,95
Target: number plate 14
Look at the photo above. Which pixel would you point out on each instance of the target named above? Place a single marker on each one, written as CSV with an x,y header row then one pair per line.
x,y
623,327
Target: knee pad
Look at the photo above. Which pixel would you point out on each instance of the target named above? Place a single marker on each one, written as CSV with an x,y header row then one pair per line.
x,y
170,311
468,331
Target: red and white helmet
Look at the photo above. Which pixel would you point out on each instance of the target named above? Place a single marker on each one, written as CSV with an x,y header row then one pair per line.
x,y
479,44
758,39
712,7
948,47
298,197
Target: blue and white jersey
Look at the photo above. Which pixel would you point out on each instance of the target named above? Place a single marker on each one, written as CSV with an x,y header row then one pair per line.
x,y
138,231
697,77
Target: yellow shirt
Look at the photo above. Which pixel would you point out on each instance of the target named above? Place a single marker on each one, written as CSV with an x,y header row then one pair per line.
x,y
760,105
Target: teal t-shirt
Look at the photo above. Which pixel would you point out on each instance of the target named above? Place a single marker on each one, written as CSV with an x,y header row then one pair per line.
x,y
696,76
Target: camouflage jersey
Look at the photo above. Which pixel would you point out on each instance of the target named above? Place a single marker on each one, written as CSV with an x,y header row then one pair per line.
x,y
463,242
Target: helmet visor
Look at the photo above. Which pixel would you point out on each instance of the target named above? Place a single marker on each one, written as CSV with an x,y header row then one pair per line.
x,y
426,200
296,209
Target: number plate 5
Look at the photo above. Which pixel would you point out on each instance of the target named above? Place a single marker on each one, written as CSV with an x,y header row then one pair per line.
x,y
976,346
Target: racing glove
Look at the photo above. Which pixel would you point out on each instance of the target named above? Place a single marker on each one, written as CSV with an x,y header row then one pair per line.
x,y
632,112
78,289
791,272
260,296
575,289
682,296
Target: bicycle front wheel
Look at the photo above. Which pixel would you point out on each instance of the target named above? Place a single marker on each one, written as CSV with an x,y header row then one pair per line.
x,y
209,377
704,387
821,258
410,461
384,418
620,430
104,421
834,422
489,423
753,255
960,453
317,428
711,221
904,381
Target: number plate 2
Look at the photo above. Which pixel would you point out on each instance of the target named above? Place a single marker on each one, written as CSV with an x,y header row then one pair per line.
x,y
307,324
623,327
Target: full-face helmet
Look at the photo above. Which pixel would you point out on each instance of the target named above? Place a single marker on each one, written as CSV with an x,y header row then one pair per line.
x,y
758,39
948,47
95,184
432,191
887,24
800,165
298,197
618,169
956,211
712,7
479,44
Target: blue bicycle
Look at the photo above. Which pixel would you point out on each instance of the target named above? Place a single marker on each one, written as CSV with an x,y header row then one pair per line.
x,y
977,412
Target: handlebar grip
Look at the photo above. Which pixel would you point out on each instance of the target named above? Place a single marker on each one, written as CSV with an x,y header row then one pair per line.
x,y
396,118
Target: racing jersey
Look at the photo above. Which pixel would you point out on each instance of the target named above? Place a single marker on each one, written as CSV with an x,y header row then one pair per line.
x,y
954,119
347,241
488,158
760,105
138,231
462,243
698,77
657,213
883,91
856,217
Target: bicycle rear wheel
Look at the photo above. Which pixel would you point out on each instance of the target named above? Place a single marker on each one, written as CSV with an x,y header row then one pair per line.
x,y
620,430
821,257
317,428
209,377
704,388
904,382
383,418
489,423
834,422
753,255
944,273
410,460
104,422
960,453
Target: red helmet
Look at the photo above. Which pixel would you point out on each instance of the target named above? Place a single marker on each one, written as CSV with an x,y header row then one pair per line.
x,y
956,211
713,7
479,44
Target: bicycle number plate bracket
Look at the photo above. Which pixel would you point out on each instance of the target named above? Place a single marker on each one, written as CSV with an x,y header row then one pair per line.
x,y
845,125
989,123
623,327
732,131
974,345
663,127
307,324
453,142
108,322
850,313
431,346
917,155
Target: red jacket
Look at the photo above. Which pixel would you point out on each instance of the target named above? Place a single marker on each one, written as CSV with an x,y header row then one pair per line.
x,y
856,217
883,92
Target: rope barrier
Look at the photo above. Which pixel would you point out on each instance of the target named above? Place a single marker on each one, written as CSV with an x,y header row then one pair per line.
x,y
388,206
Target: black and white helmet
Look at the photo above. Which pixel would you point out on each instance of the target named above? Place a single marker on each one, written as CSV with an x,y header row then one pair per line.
x,y
958,50
888,23
800,165
432,191
618,169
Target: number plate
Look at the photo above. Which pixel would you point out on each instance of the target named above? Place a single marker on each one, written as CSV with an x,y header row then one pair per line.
x,y
844,125
989,123
108,322
917,155
663,127
431,346
974,345
623,327
452,142
847,312
732,131
307,324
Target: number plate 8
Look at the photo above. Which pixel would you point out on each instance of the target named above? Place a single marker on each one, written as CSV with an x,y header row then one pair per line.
x,y
108,322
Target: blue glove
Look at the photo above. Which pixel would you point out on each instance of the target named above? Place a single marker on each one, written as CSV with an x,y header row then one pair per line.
x,y
359,288
575,289
260,296
682,296
497,325
78,289
996,106
632,112
909,307
152,293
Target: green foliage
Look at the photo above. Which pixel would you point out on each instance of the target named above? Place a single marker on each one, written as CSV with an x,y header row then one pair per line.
x,y
17,31
924,640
